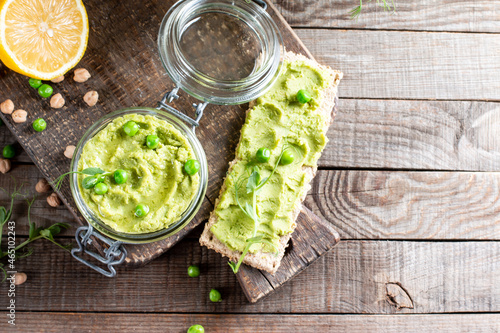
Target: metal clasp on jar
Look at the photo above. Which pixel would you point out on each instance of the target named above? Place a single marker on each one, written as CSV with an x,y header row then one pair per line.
x,y
171,96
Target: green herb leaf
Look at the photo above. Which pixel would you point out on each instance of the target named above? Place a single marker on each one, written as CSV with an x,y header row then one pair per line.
x,y
253,180
33,231
250,212
386,4
26,253
55,229
92,171
3,215
89,182
46,233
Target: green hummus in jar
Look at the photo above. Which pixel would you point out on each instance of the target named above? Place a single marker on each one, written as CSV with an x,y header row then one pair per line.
x,y
156,177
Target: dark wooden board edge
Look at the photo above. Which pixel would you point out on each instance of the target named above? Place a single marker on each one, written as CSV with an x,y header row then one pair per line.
x,y
312,239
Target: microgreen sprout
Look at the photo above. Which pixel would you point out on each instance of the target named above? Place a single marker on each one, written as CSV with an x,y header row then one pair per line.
x,y
254,183
57,183
35,232
386,4
95,176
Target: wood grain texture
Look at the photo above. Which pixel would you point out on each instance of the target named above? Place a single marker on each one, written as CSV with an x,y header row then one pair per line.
x,y
177,323
426,135
408,205
424,15
358,204
312,239
410,65
438,277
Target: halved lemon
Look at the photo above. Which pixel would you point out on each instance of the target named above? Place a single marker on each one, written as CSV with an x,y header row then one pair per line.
x,y
42,39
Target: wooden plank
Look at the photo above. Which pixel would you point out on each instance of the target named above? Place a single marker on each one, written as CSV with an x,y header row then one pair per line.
x,y
410,65
129,322
426,15
408,205
312,239
358,204
123,60
427,135
358,277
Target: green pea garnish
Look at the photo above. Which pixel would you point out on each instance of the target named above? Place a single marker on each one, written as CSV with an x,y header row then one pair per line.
x,y
120,176
39,125
130,128
100,188
263,155
287,157
215,296
45,90
191,167
196,329
8,151
193,271
303,96
141,210
35,83
152,141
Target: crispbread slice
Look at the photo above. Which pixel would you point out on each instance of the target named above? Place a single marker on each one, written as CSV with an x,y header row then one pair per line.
x,y
263,260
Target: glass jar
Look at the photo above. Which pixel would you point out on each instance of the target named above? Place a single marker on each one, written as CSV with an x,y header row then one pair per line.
x,y
220,51
188,214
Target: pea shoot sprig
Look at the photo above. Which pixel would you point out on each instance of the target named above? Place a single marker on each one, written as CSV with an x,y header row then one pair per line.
x,y
386,4
95,179
35,233
254,183
92,172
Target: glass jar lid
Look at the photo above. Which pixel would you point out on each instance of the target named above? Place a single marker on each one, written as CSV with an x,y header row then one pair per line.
x,y
220,51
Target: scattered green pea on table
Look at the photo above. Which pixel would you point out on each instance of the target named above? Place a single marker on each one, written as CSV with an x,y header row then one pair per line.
x,y
35,83
45,90
193,271
8,151
215,296
39,125
196,329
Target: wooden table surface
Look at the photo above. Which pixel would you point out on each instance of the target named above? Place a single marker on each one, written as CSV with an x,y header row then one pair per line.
x,y
409,179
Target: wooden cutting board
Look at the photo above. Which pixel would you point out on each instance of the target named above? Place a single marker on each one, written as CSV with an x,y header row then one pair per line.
x,y
123,59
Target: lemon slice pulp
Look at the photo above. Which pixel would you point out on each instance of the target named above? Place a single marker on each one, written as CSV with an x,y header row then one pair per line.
x,y
42,39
